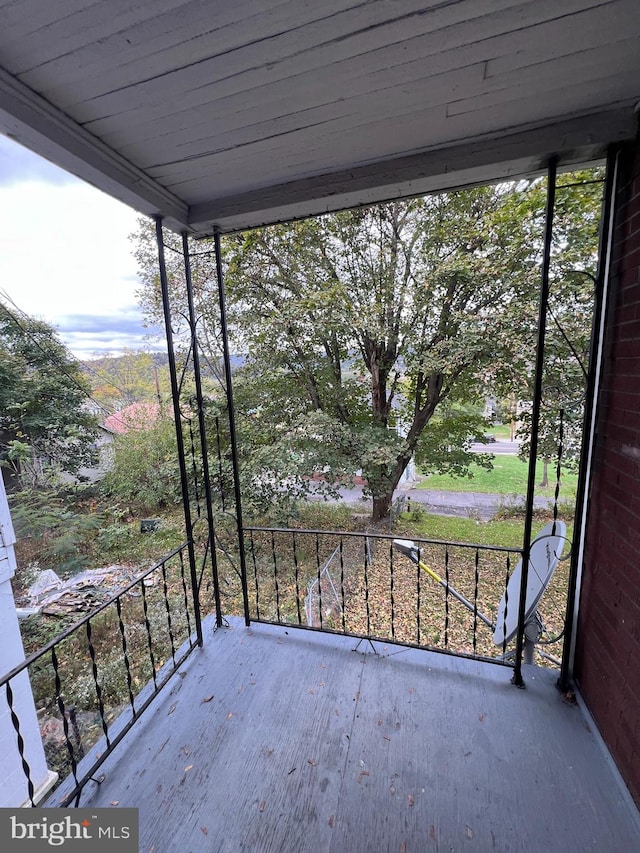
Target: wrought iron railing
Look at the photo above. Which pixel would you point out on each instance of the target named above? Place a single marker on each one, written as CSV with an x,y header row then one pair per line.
x,y
95,679
359,584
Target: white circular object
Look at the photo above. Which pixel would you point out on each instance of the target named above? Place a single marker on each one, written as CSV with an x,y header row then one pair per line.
x,y
546,550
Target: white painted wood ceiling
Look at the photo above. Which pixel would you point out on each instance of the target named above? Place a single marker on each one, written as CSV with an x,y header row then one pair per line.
x,y
231,114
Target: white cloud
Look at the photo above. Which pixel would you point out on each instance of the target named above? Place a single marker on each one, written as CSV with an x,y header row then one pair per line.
x,y
65,253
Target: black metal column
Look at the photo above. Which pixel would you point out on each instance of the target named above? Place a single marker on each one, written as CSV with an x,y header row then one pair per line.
x,y
232,426
175,395
535,415
202,426
588,428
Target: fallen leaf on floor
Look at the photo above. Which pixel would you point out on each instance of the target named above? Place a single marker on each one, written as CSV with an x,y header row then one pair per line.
x,y
188,767
186,749
208,698
403,848
360,775
331,821
204,830
229,715
410,799
172,709
468,832
481,717
115,802
312,762
386,737
412,690
312,691
261,806
432,832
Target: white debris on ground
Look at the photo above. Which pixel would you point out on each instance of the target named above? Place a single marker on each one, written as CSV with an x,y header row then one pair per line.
x,y
51,596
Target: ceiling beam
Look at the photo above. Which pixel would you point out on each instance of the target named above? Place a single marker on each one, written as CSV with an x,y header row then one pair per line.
x,y
509,155
32,121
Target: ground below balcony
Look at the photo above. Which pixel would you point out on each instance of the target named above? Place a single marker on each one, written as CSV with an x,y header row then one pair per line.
x,y
274,739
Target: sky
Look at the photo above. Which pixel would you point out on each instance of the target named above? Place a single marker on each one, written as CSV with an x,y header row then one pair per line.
x,y
65,256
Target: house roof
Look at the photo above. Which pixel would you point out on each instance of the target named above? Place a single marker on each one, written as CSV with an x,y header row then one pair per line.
x,y
136,416
230,115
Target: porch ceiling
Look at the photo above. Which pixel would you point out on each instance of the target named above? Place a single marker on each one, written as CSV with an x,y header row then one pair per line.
x,y
232,115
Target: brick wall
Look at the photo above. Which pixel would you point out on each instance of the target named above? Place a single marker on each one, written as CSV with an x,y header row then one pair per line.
x,y
608,644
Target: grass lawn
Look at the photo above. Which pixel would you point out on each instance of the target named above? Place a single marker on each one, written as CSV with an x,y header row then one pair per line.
x,y
508,477
506,533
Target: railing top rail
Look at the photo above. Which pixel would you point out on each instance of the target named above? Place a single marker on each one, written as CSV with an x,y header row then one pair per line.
x,y
76,625
388,536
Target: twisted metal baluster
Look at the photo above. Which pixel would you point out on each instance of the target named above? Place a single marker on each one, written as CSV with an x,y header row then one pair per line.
x,y
275,574
446,597
391,590
63,714
506,606
196,481
558,473
147,625
418,590
165,590
255,574
186,597
297,576
319,579
126,657
475,601
94,670
366,587
15,720
344,619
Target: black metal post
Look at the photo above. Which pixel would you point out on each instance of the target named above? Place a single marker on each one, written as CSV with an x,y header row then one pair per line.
x,y
593,379
535,415
184,483
202,426
232,426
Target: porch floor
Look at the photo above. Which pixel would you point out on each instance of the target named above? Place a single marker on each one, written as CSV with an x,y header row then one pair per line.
x,y
287,740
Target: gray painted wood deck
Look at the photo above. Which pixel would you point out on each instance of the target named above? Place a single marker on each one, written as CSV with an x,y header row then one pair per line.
x,y
285,740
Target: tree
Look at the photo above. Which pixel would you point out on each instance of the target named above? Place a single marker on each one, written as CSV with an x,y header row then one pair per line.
x,y
574,260
135,376
43,422
373,335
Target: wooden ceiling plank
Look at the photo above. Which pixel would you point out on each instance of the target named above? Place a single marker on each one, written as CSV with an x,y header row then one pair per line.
x,y
448,49
443,164
588,90
583,65
116,48
583,93
270,61
341,114
59,24
335,151
260,40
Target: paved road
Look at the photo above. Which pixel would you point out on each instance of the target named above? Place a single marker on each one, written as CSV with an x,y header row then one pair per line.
x,y
461,504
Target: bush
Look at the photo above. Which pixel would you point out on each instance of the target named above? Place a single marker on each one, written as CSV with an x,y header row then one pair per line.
x,y
145,475
54,528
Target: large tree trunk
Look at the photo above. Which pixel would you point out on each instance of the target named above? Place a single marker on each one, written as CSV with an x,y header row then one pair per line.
x,y
382,506
545,474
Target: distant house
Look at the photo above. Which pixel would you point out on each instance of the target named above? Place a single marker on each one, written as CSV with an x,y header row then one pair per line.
x,y
137,416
